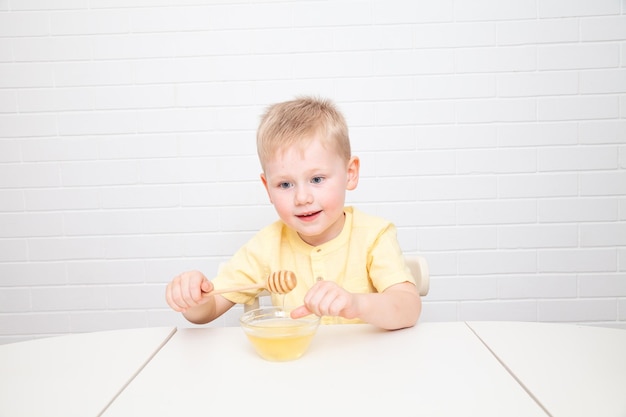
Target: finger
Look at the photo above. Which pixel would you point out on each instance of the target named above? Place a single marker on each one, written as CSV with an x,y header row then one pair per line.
x,y
169,299
330,297
325,305
299,312
173,297
181,292
194,290
311,303
182,295
337,305
206,286
316,293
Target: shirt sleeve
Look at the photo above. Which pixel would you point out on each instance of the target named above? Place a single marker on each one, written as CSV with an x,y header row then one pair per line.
x,y
386,262
248,266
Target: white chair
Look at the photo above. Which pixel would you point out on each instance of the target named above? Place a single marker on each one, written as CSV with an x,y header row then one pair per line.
x,y
419,269
417,264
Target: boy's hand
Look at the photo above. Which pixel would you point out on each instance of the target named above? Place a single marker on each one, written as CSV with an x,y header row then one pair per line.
x,y
326,298
186,290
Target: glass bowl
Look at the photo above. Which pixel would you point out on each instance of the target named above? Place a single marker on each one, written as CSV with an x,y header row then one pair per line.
x,y
275,335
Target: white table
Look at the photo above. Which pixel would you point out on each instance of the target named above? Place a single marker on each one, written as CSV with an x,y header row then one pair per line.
x,y
571,370
74,375
433,369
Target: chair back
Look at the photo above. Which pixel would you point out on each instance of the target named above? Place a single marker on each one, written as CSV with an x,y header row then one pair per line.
x,y
419,269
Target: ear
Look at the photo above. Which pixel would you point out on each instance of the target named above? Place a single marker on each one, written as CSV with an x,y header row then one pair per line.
x,y
264,181
354,164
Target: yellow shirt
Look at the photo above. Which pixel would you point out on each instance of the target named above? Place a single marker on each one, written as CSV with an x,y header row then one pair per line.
x,y
364,258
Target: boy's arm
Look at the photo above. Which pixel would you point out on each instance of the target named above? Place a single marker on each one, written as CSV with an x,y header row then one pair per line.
x,y
396,307
215,306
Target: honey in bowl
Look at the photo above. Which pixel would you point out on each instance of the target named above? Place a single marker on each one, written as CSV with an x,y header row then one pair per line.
x,y
276,336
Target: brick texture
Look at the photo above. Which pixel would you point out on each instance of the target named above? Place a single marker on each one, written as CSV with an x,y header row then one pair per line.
x,y
491,132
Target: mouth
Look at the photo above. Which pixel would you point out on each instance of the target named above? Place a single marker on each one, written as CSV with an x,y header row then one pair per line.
x,y
308,216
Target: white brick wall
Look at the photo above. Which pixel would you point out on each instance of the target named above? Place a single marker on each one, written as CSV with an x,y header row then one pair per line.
x,y
492,132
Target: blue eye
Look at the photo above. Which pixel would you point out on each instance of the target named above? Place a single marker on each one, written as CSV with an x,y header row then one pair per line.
x,y
317,180
284,185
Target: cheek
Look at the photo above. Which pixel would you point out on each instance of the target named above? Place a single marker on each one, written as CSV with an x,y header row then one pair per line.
x,y
279,200
332,194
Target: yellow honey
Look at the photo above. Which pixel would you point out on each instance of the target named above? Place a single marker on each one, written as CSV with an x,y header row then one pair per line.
x,y
281,339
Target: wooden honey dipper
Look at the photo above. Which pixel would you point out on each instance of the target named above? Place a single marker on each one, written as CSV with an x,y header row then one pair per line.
x,y
279,282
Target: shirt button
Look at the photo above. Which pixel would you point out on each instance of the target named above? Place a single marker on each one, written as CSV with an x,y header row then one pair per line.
x,y
319,279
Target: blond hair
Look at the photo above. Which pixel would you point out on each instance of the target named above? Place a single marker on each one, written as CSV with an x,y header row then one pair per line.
x,y
298,122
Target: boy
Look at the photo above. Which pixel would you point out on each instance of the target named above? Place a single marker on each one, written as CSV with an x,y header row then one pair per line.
x,y
349,265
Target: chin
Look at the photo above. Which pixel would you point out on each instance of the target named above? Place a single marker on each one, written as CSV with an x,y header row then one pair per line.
x,y
309,237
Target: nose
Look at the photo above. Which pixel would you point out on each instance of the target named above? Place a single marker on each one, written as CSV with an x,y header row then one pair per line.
x,y
303,196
